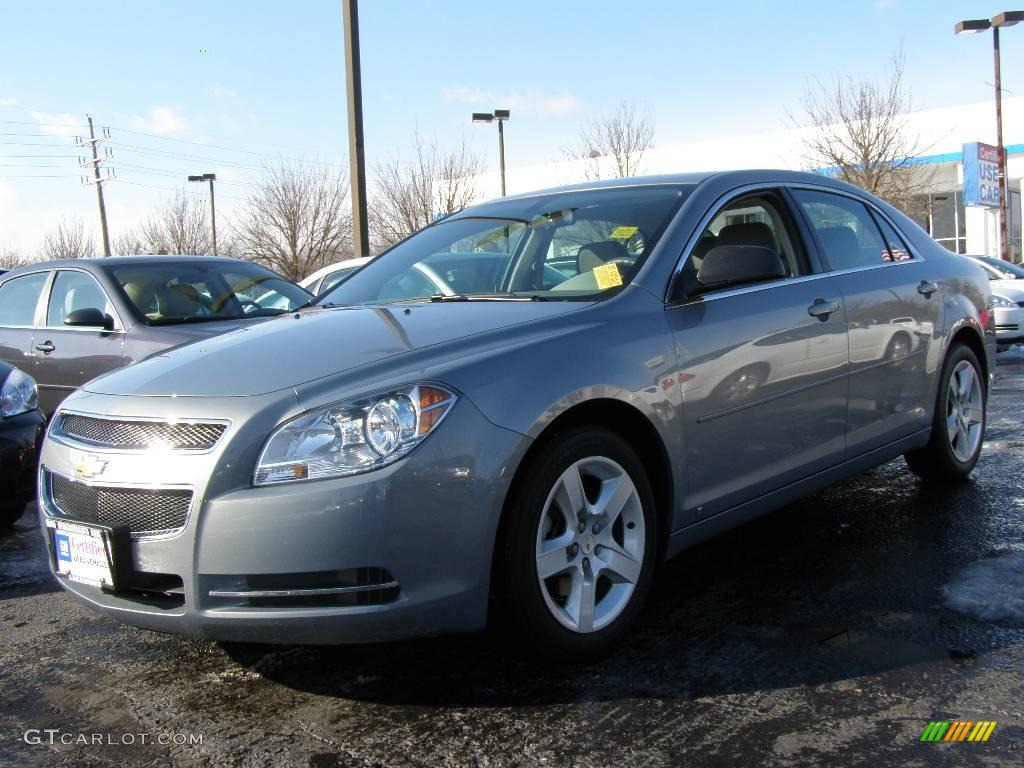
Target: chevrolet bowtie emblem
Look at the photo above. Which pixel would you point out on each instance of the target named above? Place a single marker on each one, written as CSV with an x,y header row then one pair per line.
x,y
88,466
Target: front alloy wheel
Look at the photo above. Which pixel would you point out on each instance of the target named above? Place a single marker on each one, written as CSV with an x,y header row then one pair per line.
x,y
579,545
590,544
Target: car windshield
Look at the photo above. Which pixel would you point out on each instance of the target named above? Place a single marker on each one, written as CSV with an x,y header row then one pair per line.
x,y
560,246
1007,271
169,292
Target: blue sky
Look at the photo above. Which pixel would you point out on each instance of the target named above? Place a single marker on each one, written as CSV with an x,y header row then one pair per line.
x,y
272,82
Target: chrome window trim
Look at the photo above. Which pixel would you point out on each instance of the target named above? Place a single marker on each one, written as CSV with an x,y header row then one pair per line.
x,y
737,192
44,291
54,433
118,325
48,506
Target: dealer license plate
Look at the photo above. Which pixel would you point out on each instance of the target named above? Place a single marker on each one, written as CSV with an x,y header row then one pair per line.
x,y
82,552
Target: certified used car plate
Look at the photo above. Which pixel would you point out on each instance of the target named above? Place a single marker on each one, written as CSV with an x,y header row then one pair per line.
x,y
82,552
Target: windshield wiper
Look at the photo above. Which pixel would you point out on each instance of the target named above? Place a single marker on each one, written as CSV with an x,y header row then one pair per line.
x,y
437,297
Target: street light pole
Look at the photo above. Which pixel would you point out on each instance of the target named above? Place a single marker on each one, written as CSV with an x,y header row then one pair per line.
x,y
971,26
1004,185
210,177
499,115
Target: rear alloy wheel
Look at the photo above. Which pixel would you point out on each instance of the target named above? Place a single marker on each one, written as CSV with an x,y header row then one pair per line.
x,y
580,549
959,423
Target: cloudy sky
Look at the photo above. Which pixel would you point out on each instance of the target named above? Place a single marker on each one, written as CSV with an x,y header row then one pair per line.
x,y
228,86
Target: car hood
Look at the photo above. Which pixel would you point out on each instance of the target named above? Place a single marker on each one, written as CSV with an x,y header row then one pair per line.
x,y
298,348
1011,289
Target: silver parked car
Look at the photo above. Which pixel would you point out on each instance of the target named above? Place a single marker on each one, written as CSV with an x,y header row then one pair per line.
x,y
614,372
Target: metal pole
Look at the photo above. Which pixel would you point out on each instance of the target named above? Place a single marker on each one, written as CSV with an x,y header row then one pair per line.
x,y
356,158
501,154
1004,239
213,219
99,189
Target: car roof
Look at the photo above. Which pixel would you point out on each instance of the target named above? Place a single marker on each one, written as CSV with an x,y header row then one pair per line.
x,y
343,264
121,261
499,206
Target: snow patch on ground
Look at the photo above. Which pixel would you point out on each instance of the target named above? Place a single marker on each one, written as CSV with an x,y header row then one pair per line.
x,y
990,590
1013,353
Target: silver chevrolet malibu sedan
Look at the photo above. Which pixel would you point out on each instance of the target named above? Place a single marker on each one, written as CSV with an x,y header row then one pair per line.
x,y
516,413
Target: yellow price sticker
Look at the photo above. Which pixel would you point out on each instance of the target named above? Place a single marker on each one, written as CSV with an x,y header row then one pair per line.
x,y
607,276
623,233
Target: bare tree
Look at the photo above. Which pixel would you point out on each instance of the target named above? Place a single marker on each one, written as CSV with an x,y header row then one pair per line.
x,y
179,226
861,134
613,145
297,220
10,258
68,240
130,243
412,193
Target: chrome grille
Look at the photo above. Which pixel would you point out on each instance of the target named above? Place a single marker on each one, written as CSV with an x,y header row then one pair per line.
x,y
111,433
146,511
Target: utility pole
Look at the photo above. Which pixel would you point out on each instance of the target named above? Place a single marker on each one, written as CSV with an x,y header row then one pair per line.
x,y
1004,186
97,179
356,156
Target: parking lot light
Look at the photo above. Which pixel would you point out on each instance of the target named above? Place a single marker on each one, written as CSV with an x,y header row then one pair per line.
x,y
210,177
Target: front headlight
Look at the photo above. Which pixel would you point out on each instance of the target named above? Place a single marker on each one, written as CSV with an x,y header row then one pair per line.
x,y
18,394
1002,301
352,436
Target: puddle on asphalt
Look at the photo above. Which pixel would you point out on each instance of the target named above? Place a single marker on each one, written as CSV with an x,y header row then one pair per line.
x,y
990,590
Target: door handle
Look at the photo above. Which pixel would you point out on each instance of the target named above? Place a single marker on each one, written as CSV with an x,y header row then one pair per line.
x,y
46,347
821,309
927,287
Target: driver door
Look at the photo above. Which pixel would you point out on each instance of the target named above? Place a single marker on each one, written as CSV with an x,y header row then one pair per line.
x,y
762,366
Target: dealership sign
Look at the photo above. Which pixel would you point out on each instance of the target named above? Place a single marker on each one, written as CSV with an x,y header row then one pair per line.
x,y
981,174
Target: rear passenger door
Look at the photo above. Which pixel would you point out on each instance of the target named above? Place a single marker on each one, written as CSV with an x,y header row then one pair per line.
x,y
762,366
19,300
893,311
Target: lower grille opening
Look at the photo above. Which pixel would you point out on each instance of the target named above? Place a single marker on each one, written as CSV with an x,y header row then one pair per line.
x,y
314,589
146,511
162,590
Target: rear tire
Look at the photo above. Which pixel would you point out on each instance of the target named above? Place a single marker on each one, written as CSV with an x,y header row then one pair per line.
x,y
579,547
958,427
11,511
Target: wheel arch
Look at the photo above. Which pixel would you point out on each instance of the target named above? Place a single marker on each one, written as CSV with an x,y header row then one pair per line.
x,y
632,425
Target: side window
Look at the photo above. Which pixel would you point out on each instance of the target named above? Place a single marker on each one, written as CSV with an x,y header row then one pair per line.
x,y
72,291
754,220
898,250
18,299
846,230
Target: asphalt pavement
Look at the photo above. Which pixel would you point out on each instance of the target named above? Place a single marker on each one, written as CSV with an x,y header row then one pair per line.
x,y
829,633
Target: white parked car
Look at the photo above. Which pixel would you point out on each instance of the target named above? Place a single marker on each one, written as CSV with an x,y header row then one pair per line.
x,y
327,277
1007,283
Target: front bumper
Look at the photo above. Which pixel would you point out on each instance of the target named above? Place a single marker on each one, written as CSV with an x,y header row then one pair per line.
x,y
20,439
1009,324
404,551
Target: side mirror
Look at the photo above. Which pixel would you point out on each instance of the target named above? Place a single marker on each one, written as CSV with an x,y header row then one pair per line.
x,y
726,265
90,317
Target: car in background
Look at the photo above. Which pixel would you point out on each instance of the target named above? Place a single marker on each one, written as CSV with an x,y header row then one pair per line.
x,y
21,437
397,460
1007,283
65,322
327,277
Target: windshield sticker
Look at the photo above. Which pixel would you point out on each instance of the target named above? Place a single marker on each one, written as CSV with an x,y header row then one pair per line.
x,y
623,233
608,275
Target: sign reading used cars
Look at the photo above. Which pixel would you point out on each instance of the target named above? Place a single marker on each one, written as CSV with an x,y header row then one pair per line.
x,y
981,175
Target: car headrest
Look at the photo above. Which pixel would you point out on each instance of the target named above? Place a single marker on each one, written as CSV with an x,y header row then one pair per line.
x,y
750,233
142,295
841,247
173,300
595,254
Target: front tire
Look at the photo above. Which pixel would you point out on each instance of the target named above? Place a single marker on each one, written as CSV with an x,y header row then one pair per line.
x,y
580,546
958,427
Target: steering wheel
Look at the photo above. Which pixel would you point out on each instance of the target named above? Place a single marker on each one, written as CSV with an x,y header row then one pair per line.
x,y
244,302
